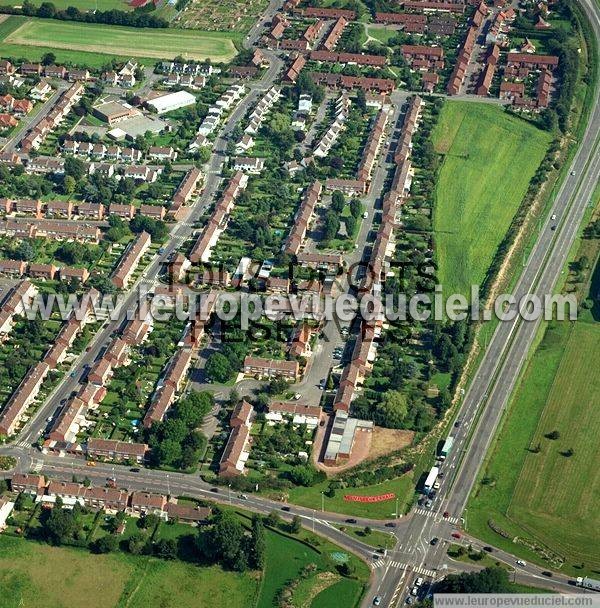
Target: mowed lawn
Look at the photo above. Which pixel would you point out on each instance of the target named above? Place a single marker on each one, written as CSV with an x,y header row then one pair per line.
x,y
36,575
489,159
549,496
107,40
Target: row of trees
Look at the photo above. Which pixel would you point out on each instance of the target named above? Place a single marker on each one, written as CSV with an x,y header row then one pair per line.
x,y
47,10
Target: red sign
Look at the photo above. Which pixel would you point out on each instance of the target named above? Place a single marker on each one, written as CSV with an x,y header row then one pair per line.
x,y
380,498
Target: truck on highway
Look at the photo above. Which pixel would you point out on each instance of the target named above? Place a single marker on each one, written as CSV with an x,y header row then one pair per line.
x,y
431,479
446,447
588,583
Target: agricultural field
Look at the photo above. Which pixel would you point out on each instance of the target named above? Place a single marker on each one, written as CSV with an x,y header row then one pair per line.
x,y
94,44
489,158
224,15
542,482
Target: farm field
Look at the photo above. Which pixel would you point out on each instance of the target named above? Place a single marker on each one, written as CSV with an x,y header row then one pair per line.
x,y
94,44
489,158
82,5
549,495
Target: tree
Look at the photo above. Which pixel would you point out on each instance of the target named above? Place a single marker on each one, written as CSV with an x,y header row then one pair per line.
x,y
106,544
554,435
338,201
392,410
256,554
273,519
69,184
169,451
224,541
60,524
302,475
356,209
24,251
350,222
166,548
489,580
367,531
149,521
48,58
217,368
295,525
75,168
136,543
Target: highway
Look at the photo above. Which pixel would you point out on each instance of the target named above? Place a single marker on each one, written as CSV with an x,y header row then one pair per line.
x,y
489,392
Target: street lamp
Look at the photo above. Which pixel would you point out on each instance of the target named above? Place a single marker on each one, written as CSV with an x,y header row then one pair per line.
x,y
322,502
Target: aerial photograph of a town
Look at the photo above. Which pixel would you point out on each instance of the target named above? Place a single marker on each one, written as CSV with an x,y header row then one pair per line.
x,y
299,303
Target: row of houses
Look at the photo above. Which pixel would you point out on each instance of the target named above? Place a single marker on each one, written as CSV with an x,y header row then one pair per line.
x,y
14,304
62,435
45,165
63,106
99,151
27,391
489,69
431,6
423,57
437,24
19,268
55,230
18,107
109,499
74,209
130,259
303,218
341,111
217,222
367,84
459,72
362,183
295,68
335,34
224,104
261,110
187,188
49,71
519,67
349,58
169,386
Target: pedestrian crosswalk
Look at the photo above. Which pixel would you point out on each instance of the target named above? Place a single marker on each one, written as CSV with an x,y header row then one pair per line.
x,y
402,566
436,514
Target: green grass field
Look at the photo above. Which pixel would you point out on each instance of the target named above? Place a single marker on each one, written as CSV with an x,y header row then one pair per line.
x,y
94,44
403,487
489,159
36,575
547,496
82,5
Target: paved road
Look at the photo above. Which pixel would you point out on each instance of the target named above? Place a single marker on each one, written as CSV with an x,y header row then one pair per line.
x,y
491,387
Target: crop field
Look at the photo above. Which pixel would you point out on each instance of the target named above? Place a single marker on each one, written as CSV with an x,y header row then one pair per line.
x,y
489,159
535,487
80,42
82,5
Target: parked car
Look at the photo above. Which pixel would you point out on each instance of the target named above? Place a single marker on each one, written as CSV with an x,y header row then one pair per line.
x,y
376,600
455,535
434,541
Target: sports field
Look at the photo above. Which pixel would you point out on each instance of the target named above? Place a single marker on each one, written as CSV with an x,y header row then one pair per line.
x,y
26,37
489,159
548,495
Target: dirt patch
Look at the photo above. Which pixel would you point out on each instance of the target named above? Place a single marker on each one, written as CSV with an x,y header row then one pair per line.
x,y
385,441
323,580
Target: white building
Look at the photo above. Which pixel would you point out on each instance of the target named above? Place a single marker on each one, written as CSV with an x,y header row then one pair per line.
x,y
172,101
